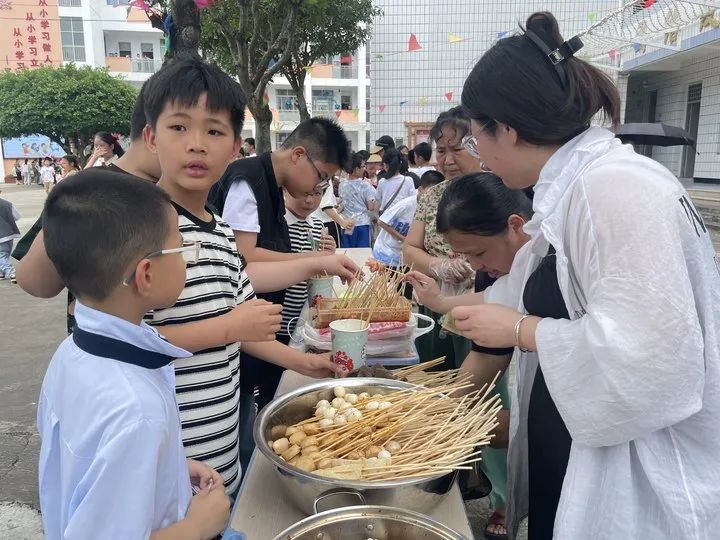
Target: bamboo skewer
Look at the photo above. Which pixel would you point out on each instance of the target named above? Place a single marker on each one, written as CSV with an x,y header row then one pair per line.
x,y
437,430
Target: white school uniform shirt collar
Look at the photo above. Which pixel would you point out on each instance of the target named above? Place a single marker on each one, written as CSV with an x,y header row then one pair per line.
x,y
143,335
90,458
638,467
292,219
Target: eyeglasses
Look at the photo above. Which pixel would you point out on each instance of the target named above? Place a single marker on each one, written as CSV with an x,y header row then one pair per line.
x,y
190,251
323,178
469,143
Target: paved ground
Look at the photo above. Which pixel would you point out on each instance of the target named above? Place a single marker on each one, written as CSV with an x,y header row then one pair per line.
x,y
30,330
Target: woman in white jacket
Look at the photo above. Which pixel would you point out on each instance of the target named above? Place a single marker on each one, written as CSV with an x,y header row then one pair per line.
x,y
613,307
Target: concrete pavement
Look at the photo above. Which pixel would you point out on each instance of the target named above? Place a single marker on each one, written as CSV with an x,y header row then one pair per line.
x,y
30,330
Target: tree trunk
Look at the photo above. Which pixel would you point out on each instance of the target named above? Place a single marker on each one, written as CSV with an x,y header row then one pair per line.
x,y
185,35
297,82
302,104
263,119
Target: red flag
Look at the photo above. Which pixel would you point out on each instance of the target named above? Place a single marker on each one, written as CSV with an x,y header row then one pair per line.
x,y
449,96
612,53
337,114
413,44
649,3
381,108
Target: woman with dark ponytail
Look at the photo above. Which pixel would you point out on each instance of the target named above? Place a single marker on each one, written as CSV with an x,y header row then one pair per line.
x,y
612,308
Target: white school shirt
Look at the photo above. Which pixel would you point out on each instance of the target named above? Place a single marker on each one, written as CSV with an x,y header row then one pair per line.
x,y
47,173
328,201
112,463
399,216
387,187
240,210
635,373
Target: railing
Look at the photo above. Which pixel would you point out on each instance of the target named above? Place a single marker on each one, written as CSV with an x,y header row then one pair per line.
x,y
144,65
345,72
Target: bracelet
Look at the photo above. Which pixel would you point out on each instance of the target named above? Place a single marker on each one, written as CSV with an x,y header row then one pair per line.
x,y
517,332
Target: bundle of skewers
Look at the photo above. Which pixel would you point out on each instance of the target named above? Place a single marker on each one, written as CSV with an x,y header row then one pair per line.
x,y
378,298
432,429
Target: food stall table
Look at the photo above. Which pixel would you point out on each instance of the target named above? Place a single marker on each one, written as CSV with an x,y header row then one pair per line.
x,y
261,510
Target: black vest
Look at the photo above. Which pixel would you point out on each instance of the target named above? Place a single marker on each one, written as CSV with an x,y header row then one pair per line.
x,y
259,174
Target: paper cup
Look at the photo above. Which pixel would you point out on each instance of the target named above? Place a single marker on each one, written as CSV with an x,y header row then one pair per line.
x,y
349,339
319,287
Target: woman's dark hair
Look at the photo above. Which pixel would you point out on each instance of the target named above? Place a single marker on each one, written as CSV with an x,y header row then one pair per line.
x,y
456,118
364,153
545,111
111,141
424,150
481,204
394,160
411,157
73,161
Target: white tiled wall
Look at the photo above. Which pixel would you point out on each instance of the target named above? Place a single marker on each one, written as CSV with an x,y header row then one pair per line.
x,y
672,88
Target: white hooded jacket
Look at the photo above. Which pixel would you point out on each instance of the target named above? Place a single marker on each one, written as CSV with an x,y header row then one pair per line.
x,y
635,373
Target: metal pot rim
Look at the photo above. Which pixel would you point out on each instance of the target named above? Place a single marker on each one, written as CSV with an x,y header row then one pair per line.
x,y
264,414
367,511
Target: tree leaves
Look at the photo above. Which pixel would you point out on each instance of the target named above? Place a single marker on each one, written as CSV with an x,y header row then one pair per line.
x,y
69,103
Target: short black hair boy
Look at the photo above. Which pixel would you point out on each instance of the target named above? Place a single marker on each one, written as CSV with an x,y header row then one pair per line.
x,y
187,78
96,222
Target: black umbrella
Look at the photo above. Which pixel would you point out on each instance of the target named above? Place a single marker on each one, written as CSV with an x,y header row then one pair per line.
x,y
656,134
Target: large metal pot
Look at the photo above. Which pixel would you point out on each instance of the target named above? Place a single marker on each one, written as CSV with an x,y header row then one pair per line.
x,y
310,492
371,522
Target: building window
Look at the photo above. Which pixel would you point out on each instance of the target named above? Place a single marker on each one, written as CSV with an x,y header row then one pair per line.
x,y
323,101
286,100
72,39
118,2
146,51
125,51
69,3
346,102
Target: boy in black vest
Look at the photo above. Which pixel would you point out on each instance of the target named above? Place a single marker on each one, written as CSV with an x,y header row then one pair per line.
x,y
250,198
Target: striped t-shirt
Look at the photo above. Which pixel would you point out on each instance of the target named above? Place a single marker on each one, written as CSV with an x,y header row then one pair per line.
x,y
296,295
207,384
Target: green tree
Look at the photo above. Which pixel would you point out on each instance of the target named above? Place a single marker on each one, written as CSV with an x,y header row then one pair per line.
x,y
327,28
67,104
253,40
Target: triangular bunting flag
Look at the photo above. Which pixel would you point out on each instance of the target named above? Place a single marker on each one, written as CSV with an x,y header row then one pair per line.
x,y
422,101
592,16
381,108
636,47
308,68
449,96
649,3
612,53
501,35
337,114
355,112
454,38
403,103
140,4
413,44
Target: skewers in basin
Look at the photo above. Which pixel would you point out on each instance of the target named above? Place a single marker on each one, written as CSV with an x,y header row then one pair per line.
x,y
409,433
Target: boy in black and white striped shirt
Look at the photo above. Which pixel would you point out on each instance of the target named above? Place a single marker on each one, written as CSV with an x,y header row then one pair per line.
x,y
306,234
195,114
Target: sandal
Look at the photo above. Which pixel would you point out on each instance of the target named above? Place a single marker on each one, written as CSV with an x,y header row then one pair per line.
x,y
496,519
